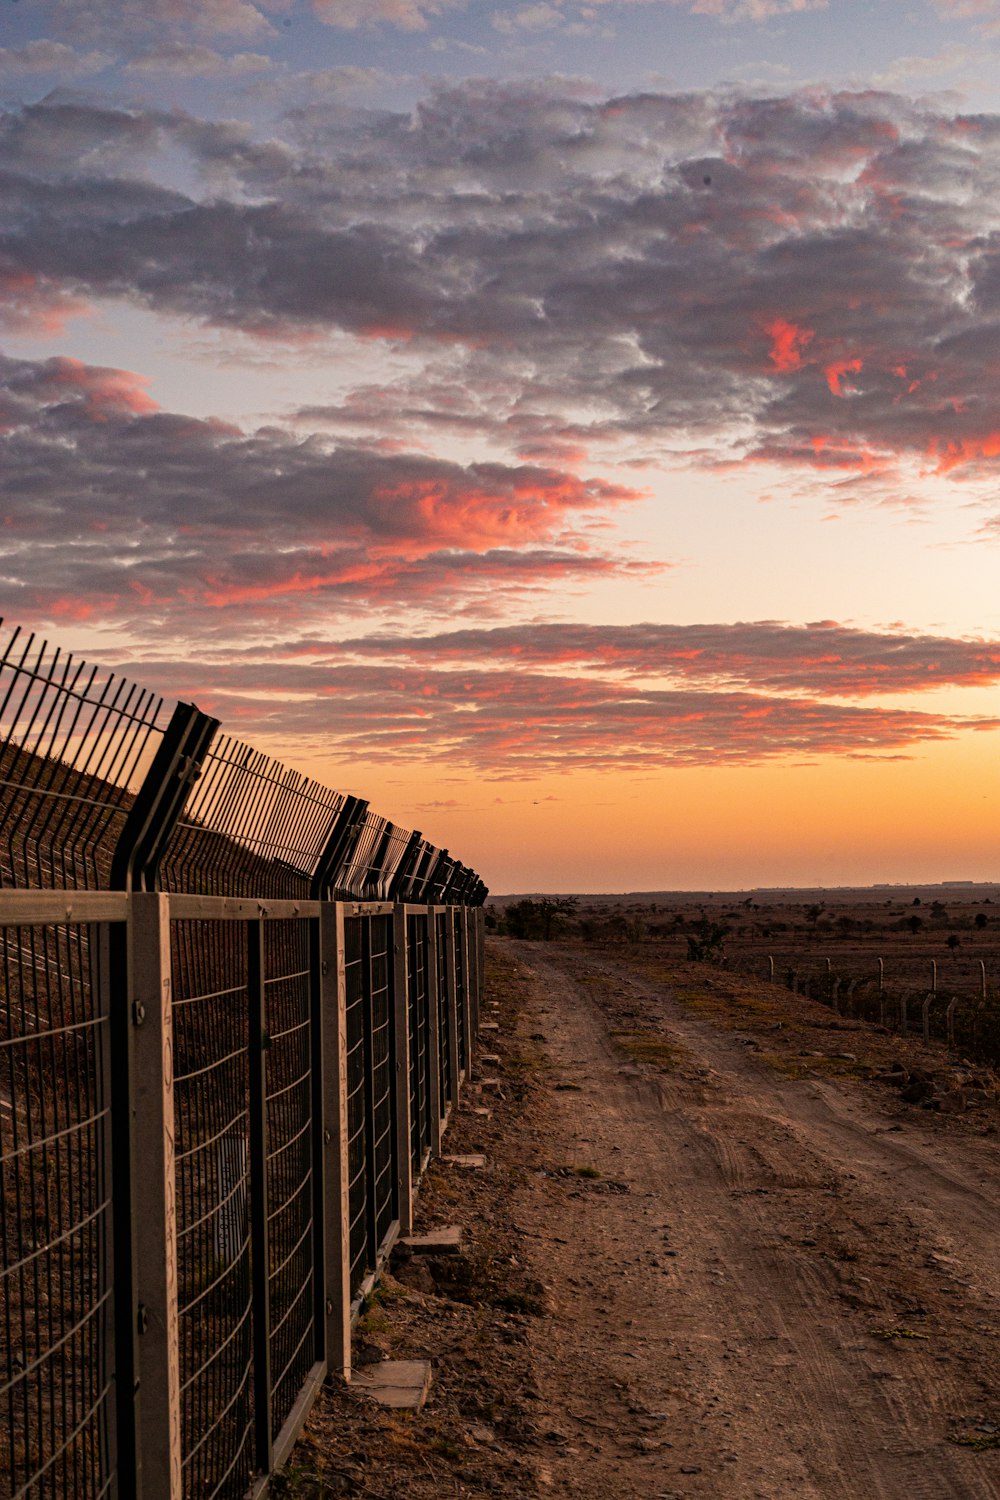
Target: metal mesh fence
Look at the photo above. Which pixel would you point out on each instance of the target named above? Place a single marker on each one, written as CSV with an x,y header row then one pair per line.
x,y
290,1186
75,743
381,1103
445,1001
461,997
370,1100
357,1162
418,1008
251,827
212,1100
56,1372
103,787
355,878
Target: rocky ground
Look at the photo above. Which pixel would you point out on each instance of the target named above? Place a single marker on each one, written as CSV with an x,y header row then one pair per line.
x,y
726,1244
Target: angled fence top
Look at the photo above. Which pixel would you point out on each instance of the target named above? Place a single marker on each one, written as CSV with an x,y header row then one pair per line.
x,y
104,785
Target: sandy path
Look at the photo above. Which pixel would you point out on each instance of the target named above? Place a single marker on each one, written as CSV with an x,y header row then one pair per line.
x,y
722,1290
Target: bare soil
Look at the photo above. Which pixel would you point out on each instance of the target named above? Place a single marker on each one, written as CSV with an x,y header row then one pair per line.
x,y
714,1253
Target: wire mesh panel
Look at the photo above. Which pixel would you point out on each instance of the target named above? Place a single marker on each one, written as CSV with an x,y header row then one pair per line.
x,y
418,1005
290,1187
370,1096
394,844
75,743
211,1101
461,982
381,1103
444,1004
355,877
252,827
357,1155
56,1374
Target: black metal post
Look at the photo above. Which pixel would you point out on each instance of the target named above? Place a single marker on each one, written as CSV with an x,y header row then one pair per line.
x,y
399,885
160,800
339,846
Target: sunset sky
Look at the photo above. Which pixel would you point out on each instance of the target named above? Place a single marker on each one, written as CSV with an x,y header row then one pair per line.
x,y
572,425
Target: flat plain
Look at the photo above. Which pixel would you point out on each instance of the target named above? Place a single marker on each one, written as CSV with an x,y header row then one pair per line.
x,y
725,1246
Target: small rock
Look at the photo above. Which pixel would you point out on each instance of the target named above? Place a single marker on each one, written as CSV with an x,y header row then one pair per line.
x,y
366,1353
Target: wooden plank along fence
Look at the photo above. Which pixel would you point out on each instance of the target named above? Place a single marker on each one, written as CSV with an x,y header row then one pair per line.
x,y
235,1015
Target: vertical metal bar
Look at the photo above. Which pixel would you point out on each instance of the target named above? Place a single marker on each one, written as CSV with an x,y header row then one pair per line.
x,y
452,1004
259,1248
156,1221
337,1194
435,1011
401,1028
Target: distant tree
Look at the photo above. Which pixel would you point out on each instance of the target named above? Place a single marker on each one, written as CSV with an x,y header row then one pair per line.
x,y
537,919
953,941
915,924
552,910
521,919
916,901
981,920
705,944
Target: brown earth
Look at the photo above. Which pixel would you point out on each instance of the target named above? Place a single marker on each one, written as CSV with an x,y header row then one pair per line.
x,y
714,1253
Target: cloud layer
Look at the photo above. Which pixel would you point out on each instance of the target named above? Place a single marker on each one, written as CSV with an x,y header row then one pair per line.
x,y
813,281
114,509
501,723
825,659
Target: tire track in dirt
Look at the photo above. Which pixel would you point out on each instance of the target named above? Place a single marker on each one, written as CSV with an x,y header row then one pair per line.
x,y
716,1289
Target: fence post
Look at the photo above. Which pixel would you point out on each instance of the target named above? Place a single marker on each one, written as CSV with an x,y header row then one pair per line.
x,y
436,1008
150,821
159,1460
400,1000
336,1195
259,1247
160,800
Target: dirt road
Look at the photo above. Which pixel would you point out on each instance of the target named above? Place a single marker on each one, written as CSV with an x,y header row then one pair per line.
x,y
759,1285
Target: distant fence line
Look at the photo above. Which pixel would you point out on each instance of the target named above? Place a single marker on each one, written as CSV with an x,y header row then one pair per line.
x,y
236,1011
931,1010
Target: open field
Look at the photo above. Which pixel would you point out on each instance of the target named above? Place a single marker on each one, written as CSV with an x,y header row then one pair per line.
x,y
867,951
714,1254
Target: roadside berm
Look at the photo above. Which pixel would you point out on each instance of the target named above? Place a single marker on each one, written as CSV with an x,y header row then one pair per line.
x,y
722,1243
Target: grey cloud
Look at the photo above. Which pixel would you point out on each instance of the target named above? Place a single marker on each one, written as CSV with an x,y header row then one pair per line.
x,y
46,56
825,658
126,19
114,507
193,61
632,259
515,724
